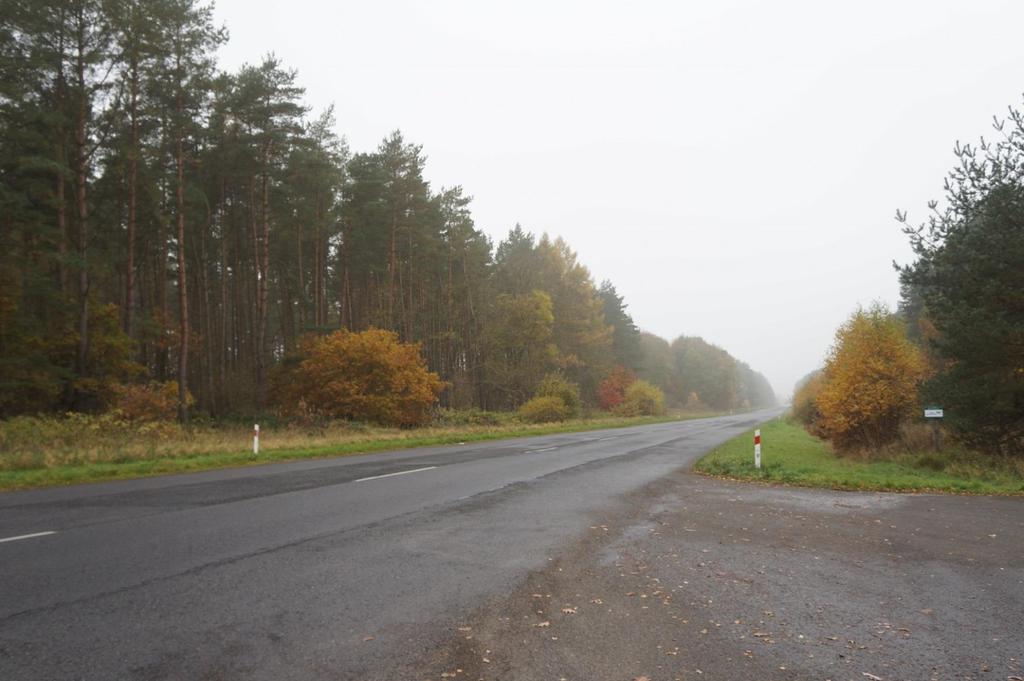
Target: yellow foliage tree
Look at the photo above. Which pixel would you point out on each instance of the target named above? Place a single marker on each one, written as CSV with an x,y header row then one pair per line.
x,y
805,399
366,376
870,380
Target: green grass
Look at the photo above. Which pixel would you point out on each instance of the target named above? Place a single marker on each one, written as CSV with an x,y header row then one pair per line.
x,y
64,459
790,455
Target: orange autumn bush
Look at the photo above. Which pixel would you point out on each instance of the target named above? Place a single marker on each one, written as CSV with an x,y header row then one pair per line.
x,y
870,382
365,376
612,389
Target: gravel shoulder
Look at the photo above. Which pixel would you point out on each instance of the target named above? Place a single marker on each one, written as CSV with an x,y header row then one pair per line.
x,y
710,579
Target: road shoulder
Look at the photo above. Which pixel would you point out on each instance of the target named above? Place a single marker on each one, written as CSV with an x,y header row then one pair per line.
x,y
709,579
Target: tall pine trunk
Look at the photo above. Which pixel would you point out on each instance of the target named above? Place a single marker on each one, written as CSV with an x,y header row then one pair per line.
x,y
81,178
262,256
133,175
392,267
182,283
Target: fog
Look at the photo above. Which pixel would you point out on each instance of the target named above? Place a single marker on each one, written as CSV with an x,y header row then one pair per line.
x,y
732,167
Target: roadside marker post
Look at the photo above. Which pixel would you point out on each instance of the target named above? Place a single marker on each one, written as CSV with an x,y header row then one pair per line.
x,y
757,449
256,439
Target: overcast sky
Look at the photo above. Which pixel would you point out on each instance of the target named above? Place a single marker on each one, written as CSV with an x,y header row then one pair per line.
x,y
732,167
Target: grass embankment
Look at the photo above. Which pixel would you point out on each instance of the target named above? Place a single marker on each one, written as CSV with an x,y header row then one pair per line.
x,y
45,452
792,456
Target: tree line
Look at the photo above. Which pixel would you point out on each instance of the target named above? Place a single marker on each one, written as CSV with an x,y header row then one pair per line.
x,y
162,220
957,338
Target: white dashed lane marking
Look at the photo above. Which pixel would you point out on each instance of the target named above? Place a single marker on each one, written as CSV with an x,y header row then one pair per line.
x,y
391,475
27,536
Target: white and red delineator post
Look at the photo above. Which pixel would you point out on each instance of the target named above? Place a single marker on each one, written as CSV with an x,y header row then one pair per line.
x,y
256,439
757,449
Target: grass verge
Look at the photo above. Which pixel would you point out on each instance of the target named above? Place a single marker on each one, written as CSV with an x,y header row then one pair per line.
x,y
792,456
24,467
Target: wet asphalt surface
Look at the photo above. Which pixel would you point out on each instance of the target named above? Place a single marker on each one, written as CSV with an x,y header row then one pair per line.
x,y
698,578
578,556
333,569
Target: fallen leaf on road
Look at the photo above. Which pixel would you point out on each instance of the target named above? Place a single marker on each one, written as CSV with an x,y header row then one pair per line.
x,y
569,611
368,638
598,601
543,624
871,676
641,678
465,628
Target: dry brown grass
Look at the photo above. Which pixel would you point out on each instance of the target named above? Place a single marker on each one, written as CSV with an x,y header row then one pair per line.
x,y
76,440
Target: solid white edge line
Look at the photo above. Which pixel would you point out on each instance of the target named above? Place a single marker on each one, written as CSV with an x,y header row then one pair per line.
x,y
27,536
391,475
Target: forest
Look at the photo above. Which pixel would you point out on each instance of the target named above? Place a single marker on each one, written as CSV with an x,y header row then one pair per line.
x,y
165,223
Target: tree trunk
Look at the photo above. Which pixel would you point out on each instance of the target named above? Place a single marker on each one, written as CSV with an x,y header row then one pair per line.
x,y
81,176
60,102
62,229
224,318
392,266
345,299
133,174
303,308
182,283
206,320
160,289
263,266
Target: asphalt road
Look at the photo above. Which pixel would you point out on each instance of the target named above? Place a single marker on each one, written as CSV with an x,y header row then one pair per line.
x,y
352,568
695,578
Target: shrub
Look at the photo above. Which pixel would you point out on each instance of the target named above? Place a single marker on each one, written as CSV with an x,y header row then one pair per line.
x,y
469,417
870,384
147,402
545,409
642,399
366,376
612,389
557,385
